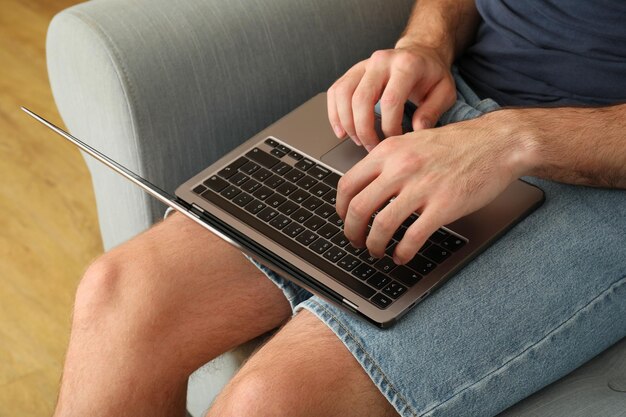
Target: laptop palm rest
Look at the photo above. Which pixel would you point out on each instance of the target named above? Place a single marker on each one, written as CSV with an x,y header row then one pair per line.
x,y
343,156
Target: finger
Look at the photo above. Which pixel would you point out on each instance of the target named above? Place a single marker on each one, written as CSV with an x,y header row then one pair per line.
x,y
438,100
333,116
393,98
417,234
364,99
343,98
389,220
353,181
363,205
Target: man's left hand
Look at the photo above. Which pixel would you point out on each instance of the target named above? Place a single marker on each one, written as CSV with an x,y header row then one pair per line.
x,y
443,173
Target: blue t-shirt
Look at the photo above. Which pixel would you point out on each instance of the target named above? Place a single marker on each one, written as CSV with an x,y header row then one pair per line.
x,y
554,52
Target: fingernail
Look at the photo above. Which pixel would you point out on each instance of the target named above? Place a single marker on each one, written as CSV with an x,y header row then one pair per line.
x,y
397,260
356,140
426,124
338,131
369,148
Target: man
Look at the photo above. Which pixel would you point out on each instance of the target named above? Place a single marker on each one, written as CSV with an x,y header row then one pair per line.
x,y
544,299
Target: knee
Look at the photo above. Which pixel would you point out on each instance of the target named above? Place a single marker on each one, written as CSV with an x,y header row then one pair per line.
x,y
257,395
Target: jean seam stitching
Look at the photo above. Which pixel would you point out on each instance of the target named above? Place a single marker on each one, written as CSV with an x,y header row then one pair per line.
x,y
375,364
620,282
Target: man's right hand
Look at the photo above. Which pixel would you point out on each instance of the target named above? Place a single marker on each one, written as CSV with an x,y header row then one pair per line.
x,y
410,72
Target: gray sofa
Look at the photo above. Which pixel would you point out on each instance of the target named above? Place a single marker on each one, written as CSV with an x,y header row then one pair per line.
x,y
166,87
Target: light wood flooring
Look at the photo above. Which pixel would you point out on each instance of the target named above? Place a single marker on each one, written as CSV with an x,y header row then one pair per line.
x,y
48,224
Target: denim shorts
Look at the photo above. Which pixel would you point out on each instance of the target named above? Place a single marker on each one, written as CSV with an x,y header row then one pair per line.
x,y
544,299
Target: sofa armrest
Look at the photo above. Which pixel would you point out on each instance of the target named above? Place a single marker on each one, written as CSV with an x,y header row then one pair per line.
x,y
166,87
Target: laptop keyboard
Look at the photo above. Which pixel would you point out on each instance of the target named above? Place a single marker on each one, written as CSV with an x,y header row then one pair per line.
x,y
291,199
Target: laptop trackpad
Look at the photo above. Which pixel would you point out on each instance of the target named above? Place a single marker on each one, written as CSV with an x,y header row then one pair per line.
x,y
343,156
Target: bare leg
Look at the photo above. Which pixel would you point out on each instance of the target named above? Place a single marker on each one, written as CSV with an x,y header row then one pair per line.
x,y
303,371
151,311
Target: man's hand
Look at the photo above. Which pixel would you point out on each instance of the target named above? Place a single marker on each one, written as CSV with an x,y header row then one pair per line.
x,y
442,173
412,72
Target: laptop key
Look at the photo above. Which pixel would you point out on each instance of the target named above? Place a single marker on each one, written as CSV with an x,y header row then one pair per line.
x,y
254,206
199,189
336,220
314,223
227,172
394,289
330,197
271,142
243,199
367,258
306,238
340,240
249,168
262,157
332,179
318,172
277,153
421,265
334,254
251,186
288,207
238,179
378,280
262,174
363,271
280,221
386,264
301,215
312,203
325,210
406,276
381,301
230,192
299,196
215,183
267,214
453,243
437,253
263,192
294,175
274,181
304,164
283,148
320,246
319,189
295,155
281,168
439,236
293,229
275,200
354,251
287,188
348,262
328,231
307,182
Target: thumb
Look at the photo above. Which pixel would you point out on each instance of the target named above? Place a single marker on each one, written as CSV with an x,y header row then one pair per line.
x,y
440,99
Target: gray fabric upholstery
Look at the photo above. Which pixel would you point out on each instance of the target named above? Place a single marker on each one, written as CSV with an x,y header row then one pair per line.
x,y
166,87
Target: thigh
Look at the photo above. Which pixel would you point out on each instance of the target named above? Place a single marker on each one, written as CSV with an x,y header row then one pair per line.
x,y
304,370
544,299
183,285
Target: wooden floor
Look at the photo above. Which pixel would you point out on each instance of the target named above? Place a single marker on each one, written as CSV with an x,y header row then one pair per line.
x,y
48,225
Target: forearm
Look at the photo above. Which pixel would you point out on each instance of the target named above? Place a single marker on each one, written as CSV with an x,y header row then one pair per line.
x,y
446,25
585,146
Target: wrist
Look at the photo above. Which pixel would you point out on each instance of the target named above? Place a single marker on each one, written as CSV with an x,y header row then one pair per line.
x,y
444,48
516,130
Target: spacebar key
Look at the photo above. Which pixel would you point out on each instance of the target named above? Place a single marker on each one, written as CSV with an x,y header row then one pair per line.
x,y
354,284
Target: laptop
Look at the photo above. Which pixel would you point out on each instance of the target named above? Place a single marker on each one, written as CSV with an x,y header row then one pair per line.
x,y
273,198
